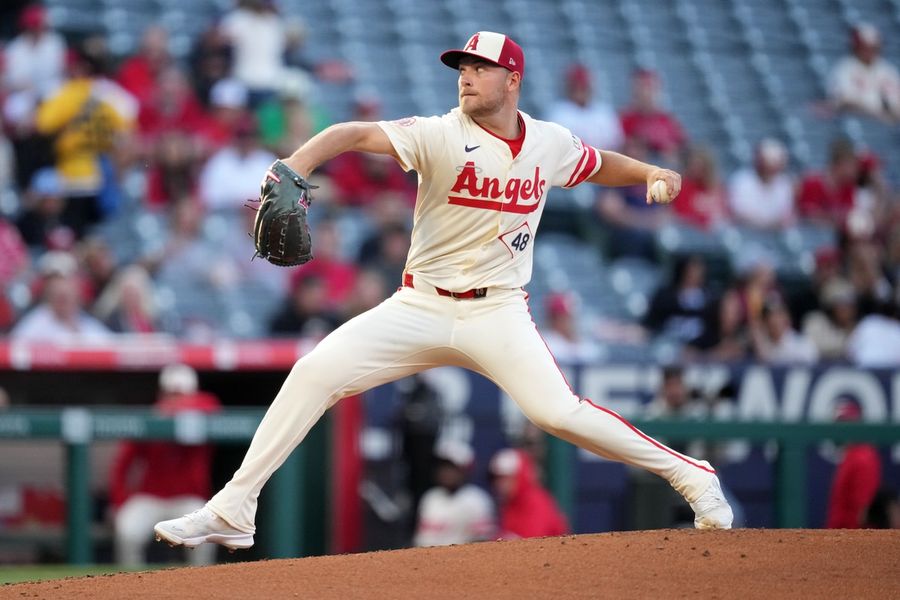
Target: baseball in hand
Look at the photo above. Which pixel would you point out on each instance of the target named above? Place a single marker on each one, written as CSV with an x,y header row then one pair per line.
x,y
659,192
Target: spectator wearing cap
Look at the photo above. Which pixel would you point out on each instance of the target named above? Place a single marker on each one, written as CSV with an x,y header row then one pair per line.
x,y
594,121
454,511
562,334
41,222
258,37
35,59
678,310
762,196
703,201
231,176
60,318
864,82
830,328
526,508
775,341
228,108
646,120
160,479
857,478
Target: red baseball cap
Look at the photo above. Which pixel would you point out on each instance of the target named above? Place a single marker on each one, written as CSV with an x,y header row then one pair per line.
x,y
578,75
33,16
493,47
559,304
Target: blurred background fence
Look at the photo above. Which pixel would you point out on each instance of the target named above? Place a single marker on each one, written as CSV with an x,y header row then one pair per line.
x,y
772,439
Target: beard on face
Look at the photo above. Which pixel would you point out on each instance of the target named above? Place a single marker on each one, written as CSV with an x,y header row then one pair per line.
x,y
484,105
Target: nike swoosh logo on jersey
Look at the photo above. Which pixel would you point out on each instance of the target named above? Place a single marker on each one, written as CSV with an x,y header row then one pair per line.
x,y
472,148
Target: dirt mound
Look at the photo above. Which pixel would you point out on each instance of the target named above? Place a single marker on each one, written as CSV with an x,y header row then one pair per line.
x,y
744,563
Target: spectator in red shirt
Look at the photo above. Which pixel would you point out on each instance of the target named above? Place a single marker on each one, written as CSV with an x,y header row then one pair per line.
x,y
360,178
829,196
702,202
856,480
140,73
865,83
174,172
646,120
157,480
171,106
526,508
338,275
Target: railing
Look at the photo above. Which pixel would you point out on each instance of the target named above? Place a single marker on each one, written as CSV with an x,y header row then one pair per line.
x,y
77,428
791,469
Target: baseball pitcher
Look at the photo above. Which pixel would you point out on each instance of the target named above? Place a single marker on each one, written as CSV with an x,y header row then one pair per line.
x,y
485,169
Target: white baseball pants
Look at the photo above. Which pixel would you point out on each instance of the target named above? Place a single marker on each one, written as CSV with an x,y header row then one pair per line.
x,y
417,329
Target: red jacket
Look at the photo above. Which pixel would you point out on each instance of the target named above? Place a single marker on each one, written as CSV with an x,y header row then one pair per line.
x,y
855,483
164,469
531,511
660,131
818,198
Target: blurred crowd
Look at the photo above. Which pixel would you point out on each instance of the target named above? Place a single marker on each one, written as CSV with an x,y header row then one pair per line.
x,y
124,180
845,308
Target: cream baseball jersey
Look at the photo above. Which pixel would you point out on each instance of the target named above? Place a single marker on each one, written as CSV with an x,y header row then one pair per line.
x,y
478,205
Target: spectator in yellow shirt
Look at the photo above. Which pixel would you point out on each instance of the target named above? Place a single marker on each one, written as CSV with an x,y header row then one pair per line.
x,y
84,121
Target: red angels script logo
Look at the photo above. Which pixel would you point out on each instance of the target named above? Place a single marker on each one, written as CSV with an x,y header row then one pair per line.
x,y
518,196
473,43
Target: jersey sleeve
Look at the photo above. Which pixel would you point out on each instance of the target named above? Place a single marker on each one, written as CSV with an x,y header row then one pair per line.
x,y
418,141
578,161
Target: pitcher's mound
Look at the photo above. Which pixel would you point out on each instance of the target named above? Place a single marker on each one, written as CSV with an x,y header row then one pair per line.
x,y
744,563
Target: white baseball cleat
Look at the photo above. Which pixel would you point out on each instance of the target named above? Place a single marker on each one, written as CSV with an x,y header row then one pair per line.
x,y
199,527
711,510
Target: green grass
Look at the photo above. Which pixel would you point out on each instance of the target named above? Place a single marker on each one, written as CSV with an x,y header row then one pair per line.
x,y
19,574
